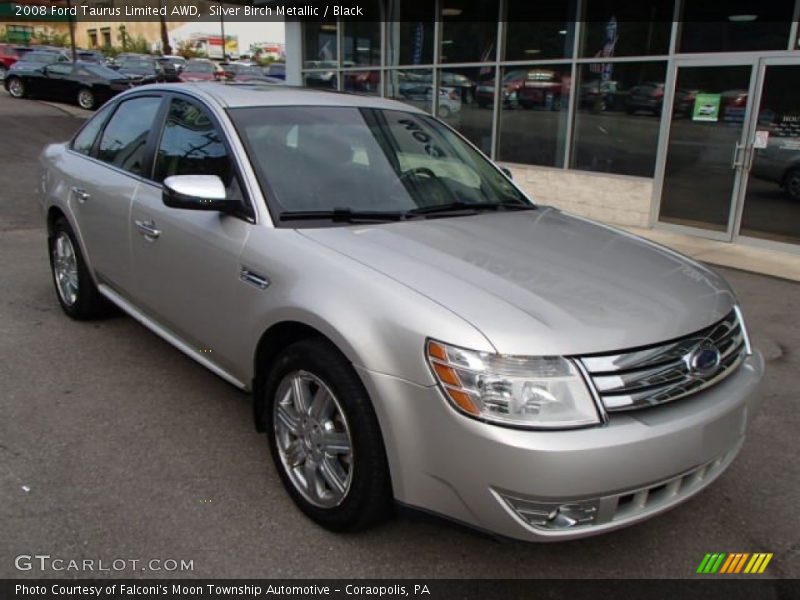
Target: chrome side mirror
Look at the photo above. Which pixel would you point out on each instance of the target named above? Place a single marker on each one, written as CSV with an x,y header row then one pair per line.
x,y
197,192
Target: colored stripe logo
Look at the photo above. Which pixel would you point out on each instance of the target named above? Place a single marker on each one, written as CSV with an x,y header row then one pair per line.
x,y
734,562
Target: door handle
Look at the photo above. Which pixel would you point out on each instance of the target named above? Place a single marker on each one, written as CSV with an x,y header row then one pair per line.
x,y
737,163
148,229
81,194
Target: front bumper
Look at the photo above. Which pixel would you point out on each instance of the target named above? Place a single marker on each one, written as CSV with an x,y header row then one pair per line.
x,y
640,464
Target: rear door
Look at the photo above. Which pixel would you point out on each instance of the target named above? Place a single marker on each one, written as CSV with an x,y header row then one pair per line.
x,y
105,174
188,273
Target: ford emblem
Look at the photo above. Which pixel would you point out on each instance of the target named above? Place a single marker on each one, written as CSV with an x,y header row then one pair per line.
x,y
704,359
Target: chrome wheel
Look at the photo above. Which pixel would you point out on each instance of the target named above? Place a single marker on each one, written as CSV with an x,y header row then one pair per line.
x,y
16,88
313,439
65,268
86,99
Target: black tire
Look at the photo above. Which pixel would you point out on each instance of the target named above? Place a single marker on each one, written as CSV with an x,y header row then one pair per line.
x,y
791,184
16,87
86,99
368,500
88,303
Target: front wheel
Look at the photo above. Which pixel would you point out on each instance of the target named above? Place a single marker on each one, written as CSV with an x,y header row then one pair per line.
x,y
86,99
325,439
16,87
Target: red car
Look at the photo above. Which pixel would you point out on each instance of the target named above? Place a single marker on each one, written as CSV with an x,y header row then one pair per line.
x,y
8,56
201,70
543,87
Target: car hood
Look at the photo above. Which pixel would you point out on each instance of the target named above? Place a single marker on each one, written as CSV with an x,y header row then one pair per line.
x,y
542,282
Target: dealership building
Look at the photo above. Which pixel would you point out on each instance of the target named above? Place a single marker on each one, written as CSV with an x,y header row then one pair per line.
x,y
677,116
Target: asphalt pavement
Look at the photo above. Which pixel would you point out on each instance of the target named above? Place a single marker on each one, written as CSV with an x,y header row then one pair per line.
x,y
113,445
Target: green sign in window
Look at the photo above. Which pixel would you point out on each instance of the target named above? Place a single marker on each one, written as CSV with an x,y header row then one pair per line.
x,y
706,107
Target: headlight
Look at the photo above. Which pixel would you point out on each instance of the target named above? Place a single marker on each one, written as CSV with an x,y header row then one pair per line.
x,y
545,392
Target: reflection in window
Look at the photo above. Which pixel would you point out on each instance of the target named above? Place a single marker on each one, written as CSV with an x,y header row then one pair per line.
x,y
533,33
322,79
361,41
84,141
409,33
412,86
616,122
125,137
624,28
191,145
362,82
319,45
533,122
736,26
469,31
458,103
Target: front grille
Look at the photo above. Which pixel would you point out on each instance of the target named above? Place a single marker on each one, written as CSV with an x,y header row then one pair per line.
x,y
665,372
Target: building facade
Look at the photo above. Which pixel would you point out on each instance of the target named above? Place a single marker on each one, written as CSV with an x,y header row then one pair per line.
x,y
685,117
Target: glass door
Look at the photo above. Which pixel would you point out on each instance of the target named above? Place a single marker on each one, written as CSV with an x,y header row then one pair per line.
x,y
771,206
706,151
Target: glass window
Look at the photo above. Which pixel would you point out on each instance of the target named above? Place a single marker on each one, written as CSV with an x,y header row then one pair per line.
x,y
192,145
362,82
624,28
124,139
361,40
736,25
535,31
412,86
617,117
319,44
84,141
315,158
533,120
322,79
59,69
464,98
409,32
469,31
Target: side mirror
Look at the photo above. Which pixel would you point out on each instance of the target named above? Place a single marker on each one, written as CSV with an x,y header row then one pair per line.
x,y
507,171
197,192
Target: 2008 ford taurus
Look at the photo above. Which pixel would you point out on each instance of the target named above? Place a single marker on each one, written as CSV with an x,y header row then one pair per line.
x,y
413,328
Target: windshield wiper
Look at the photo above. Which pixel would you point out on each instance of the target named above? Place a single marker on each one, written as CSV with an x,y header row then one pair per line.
x,y
342,215
461,207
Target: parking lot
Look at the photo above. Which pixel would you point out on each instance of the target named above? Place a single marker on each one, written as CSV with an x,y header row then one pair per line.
x,y
114,445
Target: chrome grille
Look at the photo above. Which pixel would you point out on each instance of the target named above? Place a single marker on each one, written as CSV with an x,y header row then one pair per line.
x,y
666,372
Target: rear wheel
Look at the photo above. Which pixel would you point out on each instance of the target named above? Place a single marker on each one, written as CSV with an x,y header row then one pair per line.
x,y
325,439
792,184
75,288
86,99
16,87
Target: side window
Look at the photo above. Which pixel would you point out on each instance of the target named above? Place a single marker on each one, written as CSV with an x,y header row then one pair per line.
x,y
192,145
84,141
58,69
124,139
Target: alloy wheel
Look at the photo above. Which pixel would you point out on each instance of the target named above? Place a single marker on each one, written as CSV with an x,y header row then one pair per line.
x,y
313,439
65,268
793,184
16,88
86,99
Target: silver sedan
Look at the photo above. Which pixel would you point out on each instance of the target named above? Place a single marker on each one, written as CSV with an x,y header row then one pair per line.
x,y
412,327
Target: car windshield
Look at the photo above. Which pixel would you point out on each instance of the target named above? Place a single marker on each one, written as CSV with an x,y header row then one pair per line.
x,y
41,57
137,64
314,159
102,71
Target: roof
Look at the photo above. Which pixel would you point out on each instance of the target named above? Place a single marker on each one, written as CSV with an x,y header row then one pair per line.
x,y
240,95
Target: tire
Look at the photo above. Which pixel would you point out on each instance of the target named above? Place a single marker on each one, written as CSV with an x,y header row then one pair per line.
x,y
444,112
16,87
791,184
76,292
362,495
86,99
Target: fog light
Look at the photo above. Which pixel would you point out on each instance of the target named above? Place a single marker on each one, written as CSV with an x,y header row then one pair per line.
x,y
553,515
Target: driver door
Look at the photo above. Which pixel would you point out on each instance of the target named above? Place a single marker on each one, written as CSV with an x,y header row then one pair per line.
x,y
57,81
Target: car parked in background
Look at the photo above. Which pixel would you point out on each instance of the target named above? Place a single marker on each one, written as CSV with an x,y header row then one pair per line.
x,y
86,84
599,96
148,68
779,163
93,56
276,70
201,69
646,97
544,88
176,62
8,56
412,327
420,94
246,72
